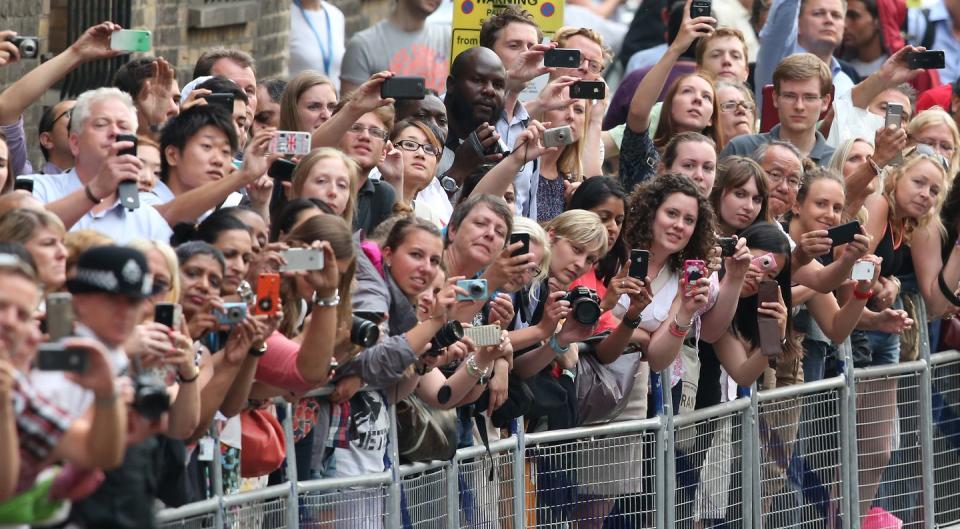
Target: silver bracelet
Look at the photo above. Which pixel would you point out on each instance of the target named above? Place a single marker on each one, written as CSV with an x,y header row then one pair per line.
x,y
332,301
474,369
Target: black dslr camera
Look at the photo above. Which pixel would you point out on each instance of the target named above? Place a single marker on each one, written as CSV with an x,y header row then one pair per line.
x,y
584,305
449,334
363,332
150,399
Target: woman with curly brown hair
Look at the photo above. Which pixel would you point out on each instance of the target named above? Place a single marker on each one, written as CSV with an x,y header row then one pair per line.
x,y
670,218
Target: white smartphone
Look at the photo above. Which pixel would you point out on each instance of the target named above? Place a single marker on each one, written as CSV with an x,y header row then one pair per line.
x,y
862,270
302,259
131,40
290,142
483,335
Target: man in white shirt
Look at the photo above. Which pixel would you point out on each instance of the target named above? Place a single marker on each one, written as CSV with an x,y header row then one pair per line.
x,y
86,196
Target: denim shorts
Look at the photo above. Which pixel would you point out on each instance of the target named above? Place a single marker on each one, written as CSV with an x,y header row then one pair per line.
x,y
884,348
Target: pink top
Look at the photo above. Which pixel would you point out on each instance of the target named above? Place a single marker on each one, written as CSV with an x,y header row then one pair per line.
x,y
278,366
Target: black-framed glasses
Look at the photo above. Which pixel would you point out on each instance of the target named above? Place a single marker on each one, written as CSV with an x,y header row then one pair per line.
x,y
412,146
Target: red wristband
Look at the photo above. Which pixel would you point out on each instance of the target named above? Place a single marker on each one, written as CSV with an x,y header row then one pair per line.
x,y
864,295
676,330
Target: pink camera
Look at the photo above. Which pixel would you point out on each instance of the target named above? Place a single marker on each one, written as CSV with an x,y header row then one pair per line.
x,y
765,262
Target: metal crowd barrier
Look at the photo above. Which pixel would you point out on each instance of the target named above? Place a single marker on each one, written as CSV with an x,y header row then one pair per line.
x,y
863,449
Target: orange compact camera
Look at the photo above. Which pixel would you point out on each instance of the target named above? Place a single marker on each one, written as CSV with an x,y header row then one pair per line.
x,y
268,294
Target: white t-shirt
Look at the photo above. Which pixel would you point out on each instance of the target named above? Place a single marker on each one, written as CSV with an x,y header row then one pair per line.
x,y
317,40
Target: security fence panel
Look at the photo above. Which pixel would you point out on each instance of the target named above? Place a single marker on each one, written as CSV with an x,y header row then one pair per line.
x,y
485,485
800,455
946,437
198,515
582,477
345,503
708,466
259,509
890,476
423,489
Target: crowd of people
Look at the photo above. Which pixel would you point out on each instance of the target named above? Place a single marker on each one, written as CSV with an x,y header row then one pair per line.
x,y
478,256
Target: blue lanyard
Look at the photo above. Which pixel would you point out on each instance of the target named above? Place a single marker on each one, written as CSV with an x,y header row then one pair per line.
x,y
325,53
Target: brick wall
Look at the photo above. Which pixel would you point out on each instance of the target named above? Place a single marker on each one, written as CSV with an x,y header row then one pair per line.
x,y
265,36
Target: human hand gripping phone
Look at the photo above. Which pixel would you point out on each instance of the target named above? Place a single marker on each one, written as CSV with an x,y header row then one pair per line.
x,y
768,328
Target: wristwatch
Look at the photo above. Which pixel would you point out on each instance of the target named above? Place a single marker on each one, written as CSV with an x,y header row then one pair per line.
x,y
449,184
258,351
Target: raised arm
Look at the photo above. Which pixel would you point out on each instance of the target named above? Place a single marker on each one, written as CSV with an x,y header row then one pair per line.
x,y
366,98
894,71
778,38
650,87
93,44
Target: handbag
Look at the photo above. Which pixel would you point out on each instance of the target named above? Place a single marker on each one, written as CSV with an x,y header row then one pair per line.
x,y
425,433
602,389
262,448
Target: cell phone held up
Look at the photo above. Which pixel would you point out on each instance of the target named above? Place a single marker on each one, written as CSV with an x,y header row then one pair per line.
x,y
639,262
168,314
290,142
700,8
302,259
131,40
588,90
222,101
693,269
562,58
128,191
928,60
768,328
268,294
843,233
54,356
524,239
403,88
282,170
59,318
862,270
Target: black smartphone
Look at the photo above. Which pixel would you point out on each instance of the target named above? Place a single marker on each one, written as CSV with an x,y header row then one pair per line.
x,y
588,90
404,88
728,246
282,170
224,101
59,318
929,60
53,356
700,8
562,58
127,191
168,314
639,261
523,238
843,233
25,184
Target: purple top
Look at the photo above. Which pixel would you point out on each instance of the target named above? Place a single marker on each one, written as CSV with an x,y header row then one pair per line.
x,y
17,144
620,105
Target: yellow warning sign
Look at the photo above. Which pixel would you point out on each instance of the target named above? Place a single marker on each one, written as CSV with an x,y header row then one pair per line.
x,y
468,15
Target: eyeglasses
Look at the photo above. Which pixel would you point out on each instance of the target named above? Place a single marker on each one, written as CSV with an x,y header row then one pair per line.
x,y
375,132
593,66
412,146
808,99
730,106
776,178
922,149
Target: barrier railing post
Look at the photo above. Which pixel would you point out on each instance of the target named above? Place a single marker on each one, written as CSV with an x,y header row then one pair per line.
x,y
453,494
293,503
661,448
746,448
393,453
850,503
519,476
926,422
217,472
669,481
750,464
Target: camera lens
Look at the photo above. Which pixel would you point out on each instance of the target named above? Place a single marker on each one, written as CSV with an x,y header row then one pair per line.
x,y
151,399
449,334
585,305
235,314
476,290
363,332
28,48
266,304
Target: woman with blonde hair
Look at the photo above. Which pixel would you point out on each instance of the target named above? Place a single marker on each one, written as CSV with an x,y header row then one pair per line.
x,y
42,233
330,176
936,128
307,102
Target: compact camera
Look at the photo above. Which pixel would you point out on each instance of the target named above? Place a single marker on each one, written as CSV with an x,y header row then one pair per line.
x,y
232,314
476,290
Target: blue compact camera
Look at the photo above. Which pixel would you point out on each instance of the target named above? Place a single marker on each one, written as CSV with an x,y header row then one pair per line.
x,y
232,314
476,290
